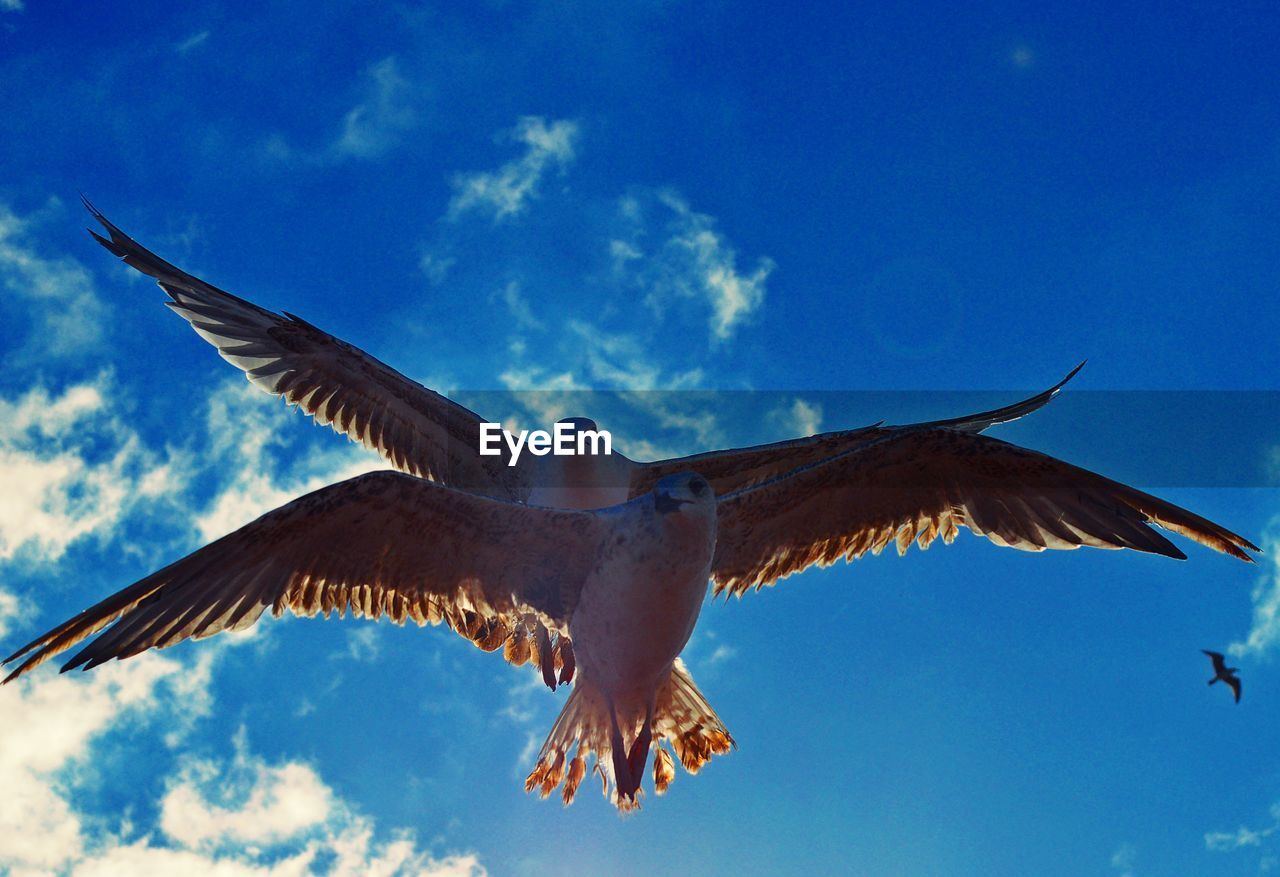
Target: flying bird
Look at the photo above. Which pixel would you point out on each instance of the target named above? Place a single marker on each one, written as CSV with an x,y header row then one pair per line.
x,y
1223,673
591,568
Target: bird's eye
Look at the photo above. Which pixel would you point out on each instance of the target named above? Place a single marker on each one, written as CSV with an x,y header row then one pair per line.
x,y
697,485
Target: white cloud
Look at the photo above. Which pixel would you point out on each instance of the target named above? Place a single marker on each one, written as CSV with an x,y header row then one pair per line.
x,y
237,816
58,292
436,267
210,806
1242,837
1123,858
624,361
506,192
72,469
11,5
10,608
721,654
518,307
362,643
691,261
191,42
245,425
525,701
390,106
1264,634
376,124
802,418
49,724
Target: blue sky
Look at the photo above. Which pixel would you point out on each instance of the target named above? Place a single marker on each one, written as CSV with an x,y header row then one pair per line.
x,y
572,196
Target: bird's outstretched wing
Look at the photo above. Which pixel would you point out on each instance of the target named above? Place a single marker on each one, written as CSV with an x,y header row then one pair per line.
x,y
737,468
914,485
1234,683
1219,660
415,429
379,544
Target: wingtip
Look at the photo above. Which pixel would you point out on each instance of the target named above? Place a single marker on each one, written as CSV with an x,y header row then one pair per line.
x,y
93,211
1071,374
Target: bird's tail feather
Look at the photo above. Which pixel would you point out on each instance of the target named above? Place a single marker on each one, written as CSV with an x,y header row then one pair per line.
x,y
682,717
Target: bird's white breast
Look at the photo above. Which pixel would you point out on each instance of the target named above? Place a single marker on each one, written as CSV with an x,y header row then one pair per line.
x,y
639,606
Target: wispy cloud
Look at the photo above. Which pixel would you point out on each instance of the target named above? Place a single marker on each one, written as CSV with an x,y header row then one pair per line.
x,y
506,192
518,307
363,643
10,607
389,107
1123,858
246,429
689,260
436,267
557,386
1243,837
192,42
72,469
11,5
238,816
49,724
379,121
58,293
622,360
800,418
1264,634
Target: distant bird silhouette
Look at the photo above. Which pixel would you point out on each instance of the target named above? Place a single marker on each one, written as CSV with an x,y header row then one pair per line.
x,y
1223,673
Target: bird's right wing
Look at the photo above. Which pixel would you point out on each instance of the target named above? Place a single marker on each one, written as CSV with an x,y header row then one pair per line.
x,y
415,429
913,485
379,544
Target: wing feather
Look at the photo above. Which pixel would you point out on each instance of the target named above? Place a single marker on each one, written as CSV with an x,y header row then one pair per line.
x,y
421,432
381,544
916,484
739,468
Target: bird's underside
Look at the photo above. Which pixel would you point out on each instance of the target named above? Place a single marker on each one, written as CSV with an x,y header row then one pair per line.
x,y
394,544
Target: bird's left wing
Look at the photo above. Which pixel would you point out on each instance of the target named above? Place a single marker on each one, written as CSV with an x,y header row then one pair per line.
x,y
378,544
914,485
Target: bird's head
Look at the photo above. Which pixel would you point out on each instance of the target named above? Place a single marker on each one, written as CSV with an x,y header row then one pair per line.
x,y
680,491
580,424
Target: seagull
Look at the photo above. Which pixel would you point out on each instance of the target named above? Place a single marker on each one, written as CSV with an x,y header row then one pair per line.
x,y
1223,673
593,569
